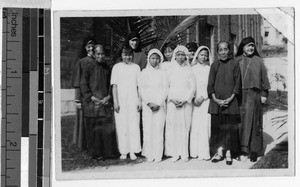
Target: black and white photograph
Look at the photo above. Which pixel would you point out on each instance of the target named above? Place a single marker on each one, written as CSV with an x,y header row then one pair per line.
x,y
173,93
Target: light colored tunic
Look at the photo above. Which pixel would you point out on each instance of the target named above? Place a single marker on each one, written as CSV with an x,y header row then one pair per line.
x,y
153,86
178,121
166,65
200,129
125,76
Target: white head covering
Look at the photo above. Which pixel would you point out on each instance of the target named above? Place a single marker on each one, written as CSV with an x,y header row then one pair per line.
x,y
180,48
194,61
152,51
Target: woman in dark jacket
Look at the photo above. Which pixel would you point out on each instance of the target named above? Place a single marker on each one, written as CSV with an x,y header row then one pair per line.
x,y
223,87
255,86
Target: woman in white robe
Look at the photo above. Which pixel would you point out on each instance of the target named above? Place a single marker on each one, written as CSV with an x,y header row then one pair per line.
x,y
200,129
179,107
153,88
127,105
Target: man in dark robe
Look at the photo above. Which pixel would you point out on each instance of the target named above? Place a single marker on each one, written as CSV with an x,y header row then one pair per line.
x,y
97,105
79,137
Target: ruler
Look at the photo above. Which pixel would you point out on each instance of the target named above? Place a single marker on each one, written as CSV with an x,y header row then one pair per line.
x,y
26,95
11,98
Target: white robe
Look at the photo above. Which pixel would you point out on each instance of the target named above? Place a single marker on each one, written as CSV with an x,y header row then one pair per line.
x,y
125,76
178,121
166,65
200,129
153,87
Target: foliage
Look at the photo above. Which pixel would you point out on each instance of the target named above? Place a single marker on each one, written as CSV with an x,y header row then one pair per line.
x,y
122,26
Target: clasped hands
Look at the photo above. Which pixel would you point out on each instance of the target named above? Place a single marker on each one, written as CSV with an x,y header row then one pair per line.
x,y
178,104
117,107
98,101
199,101
153,107
223,103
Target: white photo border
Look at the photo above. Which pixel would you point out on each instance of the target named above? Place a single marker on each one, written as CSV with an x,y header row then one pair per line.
x,y
161,174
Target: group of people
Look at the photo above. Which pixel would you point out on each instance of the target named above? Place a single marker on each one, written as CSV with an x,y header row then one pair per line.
x,y
176,103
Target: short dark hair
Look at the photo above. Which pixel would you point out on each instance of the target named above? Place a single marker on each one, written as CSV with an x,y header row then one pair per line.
x,y
192,46
99,45
228,45
126,49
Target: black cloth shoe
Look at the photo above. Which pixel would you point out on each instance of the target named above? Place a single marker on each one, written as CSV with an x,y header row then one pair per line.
x,y
97,157
216,158
228,160
253,156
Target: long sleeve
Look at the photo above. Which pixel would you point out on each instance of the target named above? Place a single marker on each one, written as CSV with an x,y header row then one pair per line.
x,y
203,78
85,80
205,83
76,79
114,75
108,83
237,79
211,79
142,87
192,89
76,75
265,84
165,84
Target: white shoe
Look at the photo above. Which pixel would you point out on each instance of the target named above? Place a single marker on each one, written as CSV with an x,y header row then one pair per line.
x,y
185,159
157,160
123,157
150,159
175,159
132,156
243,158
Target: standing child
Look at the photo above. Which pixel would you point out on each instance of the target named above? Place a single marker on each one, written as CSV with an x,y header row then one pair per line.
x,y
200,129
255,86
127,104
153,87
179,108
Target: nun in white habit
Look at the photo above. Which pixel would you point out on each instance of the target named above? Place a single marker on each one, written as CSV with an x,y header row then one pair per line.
x,y
153,88
179,106
200,129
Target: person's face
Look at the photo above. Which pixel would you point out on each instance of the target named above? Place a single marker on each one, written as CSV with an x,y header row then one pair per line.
x,y
134,44
168,53
154,60
223,51
202,56
99,54
89,49
191,55
180,57
249,49
127,57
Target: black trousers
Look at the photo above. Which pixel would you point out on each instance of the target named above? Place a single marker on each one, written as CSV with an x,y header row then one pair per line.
x,y
225,133
101,136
